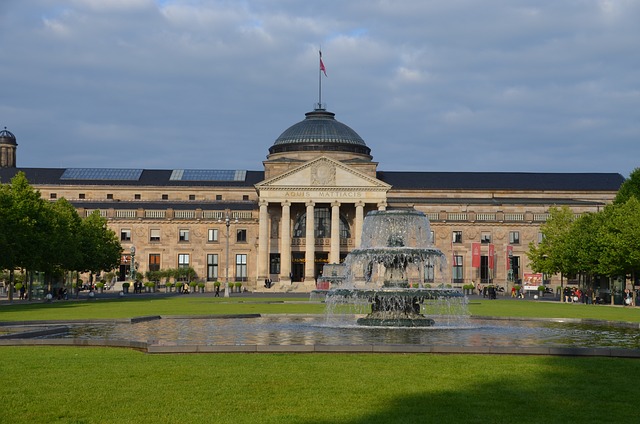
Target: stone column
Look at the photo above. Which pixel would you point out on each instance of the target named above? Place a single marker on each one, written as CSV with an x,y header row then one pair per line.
x,y
285,243
358,223
334,252
263,242
310,245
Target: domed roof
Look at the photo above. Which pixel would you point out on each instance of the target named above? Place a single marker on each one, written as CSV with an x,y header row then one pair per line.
x,y
6,137
319,131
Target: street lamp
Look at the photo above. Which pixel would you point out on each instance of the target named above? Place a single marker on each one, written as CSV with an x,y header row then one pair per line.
x,y
133,264
227,222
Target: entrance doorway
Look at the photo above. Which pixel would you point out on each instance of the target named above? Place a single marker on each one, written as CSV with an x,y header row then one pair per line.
x,y
297,266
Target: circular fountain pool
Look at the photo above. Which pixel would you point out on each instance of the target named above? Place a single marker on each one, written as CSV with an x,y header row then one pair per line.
x,y
289,330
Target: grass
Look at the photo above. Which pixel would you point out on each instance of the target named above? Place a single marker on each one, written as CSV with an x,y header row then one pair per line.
x,y
88,385
133,306
107,385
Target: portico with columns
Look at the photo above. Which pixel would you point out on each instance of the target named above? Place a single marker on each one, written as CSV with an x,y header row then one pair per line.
x,y
311,215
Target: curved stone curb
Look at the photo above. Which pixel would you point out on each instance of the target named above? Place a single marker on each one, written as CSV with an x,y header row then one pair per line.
x,y
620,324
26,339
374,349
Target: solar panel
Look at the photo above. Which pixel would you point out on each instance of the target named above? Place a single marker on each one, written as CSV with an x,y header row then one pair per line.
x,y
207,175
101,174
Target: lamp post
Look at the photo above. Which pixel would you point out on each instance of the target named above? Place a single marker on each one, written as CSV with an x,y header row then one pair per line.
x,y
133,264
227,222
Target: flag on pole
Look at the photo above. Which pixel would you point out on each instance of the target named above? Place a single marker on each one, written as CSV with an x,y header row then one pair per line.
x,y
322,68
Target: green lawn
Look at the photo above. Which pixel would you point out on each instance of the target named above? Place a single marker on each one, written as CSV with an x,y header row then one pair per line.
x,y
93,385
47,384
133,306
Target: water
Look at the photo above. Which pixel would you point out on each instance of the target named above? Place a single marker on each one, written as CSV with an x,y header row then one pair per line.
x,y
341,330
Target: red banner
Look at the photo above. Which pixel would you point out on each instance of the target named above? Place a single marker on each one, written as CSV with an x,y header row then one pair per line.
x,y
492,256
475,255
509,255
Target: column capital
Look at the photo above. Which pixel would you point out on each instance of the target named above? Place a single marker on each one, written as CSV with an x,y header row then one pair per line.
x,y
310,203
263,202
335,203
285,203
360,204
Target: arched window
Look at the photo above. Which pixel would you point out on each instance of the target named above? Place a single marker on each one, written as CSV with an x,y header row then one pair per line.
x,y
322,225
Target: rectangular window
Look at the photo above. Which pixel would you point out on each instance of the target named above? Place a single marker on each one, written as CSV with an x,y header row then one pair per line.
x,y
183,260
432,237
245,197
218,196
241,236
213,235
137,197
192,197
154,234
514,271
514,237
154,262
457,272
485,237
274,263
429,274
125,235
212,267
241,267
110,196
457,237
53,195
81,196
183,235
165,197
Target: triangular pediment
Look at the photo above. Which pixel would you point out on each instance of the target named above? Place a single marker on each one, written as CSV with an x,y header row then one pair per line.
x,y
322,173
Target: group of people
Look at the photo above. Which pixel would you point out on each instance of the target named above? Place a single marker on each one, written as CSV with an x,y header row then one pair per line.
x,y
489,291
517,293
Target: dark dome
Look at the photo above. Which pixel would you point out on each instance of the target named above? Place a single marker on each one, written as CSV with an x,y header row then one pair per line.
x,y
6,137
319,131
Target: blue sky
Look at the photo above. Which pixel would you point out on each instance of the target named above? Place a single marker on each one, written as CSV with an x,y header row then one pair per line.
x,y
457,85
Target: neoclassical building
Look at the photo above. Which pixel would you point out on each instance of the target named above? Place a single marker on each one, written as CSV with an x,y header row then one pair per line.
x,y
306,209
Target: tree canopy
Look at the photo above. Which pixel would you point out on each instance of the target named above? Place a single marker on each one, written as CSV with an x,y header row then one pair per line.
x,y
39,235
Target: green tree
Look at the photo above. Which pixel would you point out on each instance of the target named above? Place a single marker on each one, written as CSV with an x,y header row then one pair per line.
x,y
25,226
584,244
551,255
620,251
64,251
100,247
629,188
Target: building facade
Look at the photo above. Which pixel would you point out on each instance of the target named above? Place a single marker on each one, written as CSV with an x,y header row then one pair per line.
x,y
306,208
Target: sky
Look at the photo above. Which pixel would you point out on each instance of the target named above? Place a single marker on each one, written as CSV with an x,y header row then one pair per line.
x,y
430,85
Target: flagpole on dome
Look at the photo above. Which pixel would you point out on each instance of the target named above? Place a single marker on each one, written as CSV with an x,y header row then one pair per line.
x,y
321,70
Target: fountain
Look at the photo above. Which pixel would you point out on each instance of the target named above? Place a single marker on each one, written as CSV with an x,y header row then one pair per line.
x,y
387,273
